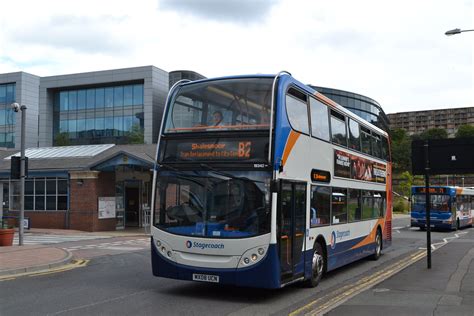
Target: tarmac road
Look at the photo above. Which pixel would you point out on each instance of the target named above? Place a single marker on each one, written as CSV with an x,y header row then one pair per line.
x,y
122,284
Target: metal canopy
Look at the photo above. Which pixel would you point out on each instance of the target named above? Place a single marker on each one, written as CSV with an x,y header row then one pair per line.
x,y
64,151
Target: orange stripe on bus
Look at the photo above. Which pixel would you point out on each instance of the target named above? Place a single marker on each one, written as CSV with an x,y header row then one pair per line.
x,y
324,99
290,143
370,238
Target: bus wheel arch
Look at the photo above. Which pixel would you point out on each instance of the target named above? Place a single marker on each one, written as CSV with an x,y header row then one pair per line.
x,y
318,262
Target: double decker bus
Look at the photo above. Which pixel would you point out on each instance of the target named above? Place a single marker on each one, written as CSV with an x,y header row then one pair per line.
x,y
450,207
261,181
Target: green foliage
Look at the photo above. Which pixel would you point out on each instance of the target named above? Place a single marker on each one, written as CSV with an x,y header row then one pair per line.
x,y
62,139
136,136
407,180
401,150
434,133
4,224
400,206
465,131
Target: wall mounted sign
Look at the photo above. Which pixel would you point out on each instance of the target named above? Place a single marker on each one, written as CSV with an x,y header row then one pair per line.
x,y
106,207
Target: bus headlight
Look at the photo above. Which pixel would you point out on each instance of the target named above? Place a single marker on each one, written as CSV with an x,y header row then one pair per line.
x,y
252,256
164,250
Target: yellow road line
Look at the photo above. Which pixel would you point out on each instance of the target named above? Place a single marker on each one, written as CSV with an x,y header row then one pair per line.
x,y
73,265
346,292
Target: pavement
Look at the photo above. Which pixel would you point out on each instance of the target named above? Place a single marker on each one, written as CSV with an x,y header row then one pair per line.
x,y
445,289
16,259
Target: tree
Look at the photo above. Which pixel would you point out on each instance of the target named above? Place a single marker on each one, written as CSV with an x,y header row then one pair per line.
x,y
135,136
401,150
62,139
465,131
406,183
434,133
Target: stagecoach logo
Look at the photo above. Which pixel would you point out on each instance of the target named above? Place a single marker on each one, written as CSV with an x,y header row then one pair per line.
x,y
338,235
203,245
333,240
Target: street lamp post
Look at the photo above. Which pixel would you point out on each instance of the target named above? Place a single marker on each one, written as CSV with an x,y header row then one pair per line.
x,y
16,107
456,31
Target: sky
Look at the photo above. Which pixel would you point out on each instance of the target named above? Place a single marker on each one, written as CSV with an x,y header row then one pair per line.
x,y
394,52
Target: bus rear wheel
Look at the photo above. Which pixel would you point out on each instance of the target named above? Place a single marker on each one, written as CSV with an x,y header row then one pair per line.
x,y
378,246
317,266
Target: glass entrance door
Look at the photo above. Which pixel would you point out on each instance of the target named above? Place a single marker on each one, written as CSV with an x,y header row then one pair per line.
x,y
132,203
292,217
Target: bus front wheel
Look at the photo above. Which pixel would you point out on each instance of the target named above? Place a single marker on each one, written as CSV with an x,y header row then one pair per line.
x,y
317,266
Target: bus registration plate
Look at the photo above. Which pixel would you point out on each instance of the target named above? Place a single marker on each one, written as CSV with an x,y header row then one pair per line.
x,y
206,278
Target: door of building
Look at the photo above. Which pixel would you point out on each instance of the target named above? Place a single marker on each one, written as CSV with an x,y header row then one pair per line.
x,y
292,217
132,204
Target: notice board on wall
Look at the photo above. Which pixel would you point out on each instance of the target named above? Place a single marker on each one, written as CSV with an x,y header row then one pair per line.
x,y
106,207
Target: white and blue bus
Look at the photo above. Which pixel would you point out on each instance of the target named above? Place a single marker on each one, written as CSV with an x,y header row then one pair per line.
x,y
261,181
450,207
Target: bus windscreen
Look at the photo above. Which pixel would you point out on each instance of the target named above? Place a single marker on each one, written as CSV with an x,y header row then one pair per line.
x,y
221,105
438,202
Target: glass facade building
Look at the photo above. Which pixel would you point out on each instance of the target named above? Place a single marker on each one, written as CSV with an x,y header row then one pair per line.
x,y
112,114
367,108
7,115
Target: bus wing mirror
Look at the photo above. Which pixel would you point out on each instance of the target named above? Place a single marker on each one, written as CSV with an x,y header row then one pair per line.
x,y
275,186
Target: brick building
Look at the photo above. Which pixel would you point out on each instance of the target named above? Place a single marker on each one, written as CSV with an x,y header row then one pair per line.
x,y
90,187
418,121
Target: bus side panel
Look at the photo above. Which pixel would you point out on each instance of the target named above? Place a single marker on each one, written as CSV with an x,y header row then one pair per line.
x,y
346,257
344,252
264,274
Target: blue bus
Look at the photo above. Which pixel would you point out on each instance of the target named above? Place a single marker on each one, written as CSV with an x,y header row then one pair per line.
x,y
261,181
450,207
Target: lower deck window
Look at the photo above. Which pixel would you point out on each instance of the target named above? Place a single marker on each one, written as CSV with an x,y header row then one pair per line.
x,y
340,205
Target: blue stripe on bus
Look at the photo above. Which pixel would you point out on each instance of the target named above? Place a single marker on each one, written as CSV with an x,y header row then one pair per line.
x,y
283,130
265,274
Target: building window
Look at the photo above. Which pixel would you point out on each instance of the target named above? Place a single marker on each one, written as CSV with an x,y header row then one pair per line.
x,y
99,115
7,115
50,194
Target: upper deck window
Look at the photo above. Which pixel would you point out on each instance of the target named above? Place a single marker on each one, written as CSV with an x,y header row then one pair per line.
x,y
319,119
297,110
338,128
229,104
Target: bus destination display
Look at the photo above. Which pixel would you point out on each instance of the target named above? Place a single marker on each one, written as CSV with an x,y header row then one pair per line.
x,y
215,151
218,150
432,190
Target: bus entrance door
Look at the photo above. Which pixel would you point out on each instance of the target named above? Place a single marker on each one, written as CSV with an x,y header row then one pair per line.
x,y
292,216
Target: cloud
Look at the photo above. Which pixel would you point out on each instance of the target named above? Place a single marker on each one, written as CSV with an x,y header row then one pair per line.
x,y
89,35
237,11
